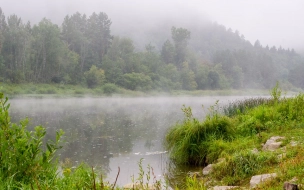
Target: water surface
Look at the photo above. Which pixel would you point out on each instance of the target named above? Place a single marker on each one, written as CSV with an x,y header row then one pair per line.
x,y
108,133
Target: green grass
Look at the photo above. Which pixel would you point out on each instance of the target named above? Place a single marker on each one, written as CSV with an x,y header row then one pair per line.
x,y
232,133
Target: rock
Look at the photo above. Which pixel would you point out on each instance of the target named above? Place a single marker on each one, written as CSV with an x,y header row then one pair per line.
x,y
281,156
293,143
224,187
257,179
208,169
255,151
196,174
290,186
293,180
272,144
220,160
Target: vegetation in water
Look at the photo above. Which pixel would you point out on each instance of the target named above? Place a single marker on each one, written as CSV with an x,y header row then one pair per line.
x,y
230,138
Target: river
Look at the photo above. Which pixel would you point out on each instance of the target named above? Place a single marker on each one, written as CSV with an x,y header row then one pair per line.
x,y
113,132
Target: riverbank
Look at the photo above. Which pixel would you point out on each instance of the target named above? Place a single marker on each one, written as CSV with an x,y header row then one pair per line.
x,y
64,90
232,142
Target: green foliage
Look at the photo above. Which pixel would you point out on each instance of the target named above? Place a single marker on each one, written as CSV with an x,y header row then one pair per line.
x,y
233,137
135,81
94,77
191,139
180,37
213,80
188,78
167,52
193,183
189,142
240,106
110,88
28,163
217,58
22,156
242,165
276,93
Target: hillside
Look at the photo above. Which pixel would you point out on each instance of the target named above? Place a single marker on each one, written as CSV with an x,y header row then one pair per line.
x,y
83,51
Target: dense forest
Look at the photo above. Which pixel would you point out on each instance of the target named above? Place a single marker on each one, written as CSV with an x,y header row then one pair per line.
x,y
83,51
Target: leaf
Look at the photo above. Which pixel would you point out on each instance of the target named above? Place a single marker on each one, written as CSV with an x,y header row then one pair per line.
x,y
49,147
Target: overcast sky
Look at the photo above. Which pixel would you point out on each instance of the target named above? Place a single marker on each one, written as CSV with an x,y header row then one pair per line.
x,y
273,22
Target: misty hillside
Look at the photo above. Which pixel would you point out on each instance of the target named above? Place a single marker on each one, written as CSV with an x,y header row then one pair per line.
x,y
171,56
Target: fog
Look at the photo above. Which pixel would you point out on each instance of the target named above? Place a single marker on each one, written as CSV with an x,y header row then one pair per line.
x,y
108,133
273,22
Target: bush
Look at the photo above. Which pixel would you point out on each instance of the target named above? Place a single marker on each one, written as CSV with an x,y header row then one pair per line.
x,y
110,88
94,77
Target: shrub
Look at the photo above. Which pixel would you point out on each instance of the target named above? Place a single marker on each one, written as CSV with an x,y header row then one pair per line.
x,y
22,156
94,77
110,88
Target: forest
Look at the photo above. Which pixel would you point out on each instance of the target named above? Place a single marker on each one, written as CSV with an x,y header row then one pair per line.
x,y
83,51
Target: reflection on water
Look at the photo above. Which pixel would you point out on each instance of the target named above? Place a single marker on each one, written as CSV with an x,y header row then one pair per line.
x,y
108,133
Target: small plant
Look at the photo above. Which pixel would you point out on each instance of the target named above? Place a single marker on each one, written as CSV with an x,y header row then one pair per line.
x,y
143,179
276,93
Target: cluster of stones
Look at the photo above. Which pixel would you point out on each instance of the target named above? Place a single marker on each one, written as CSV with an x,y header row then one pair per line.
x,y
271,144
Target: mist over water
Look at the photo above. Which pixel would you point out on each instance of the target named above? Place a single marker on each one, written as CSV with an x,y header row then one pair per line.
x,y
108,133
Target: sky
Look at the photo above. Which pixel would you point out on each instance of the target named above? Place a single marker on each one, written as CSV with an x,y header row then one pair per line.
x,y
272,22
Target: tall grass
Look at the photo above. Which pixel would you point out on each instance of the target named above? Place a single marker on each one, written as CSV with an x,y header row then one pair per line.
x,y
240,106
189,142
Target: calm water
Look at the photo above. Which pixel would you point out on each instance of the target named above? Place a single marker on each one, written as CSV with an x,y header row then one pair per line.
x,y
108,133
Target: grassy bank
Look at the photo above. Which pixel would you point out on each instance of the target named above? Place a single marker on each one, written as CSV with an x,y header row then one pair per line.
x,y
64,90
231,138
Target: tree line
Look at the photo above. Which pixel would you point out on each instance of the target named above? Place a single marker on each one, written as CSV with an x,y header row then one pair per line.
x,y
83,51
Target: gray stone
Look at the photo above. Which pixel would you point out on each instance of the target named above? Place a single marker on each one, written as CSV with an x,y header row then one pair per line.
x,y
196,174
293,180
293,143
272,144
255,151
281,156
290,186
208,169
257,179
224,187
